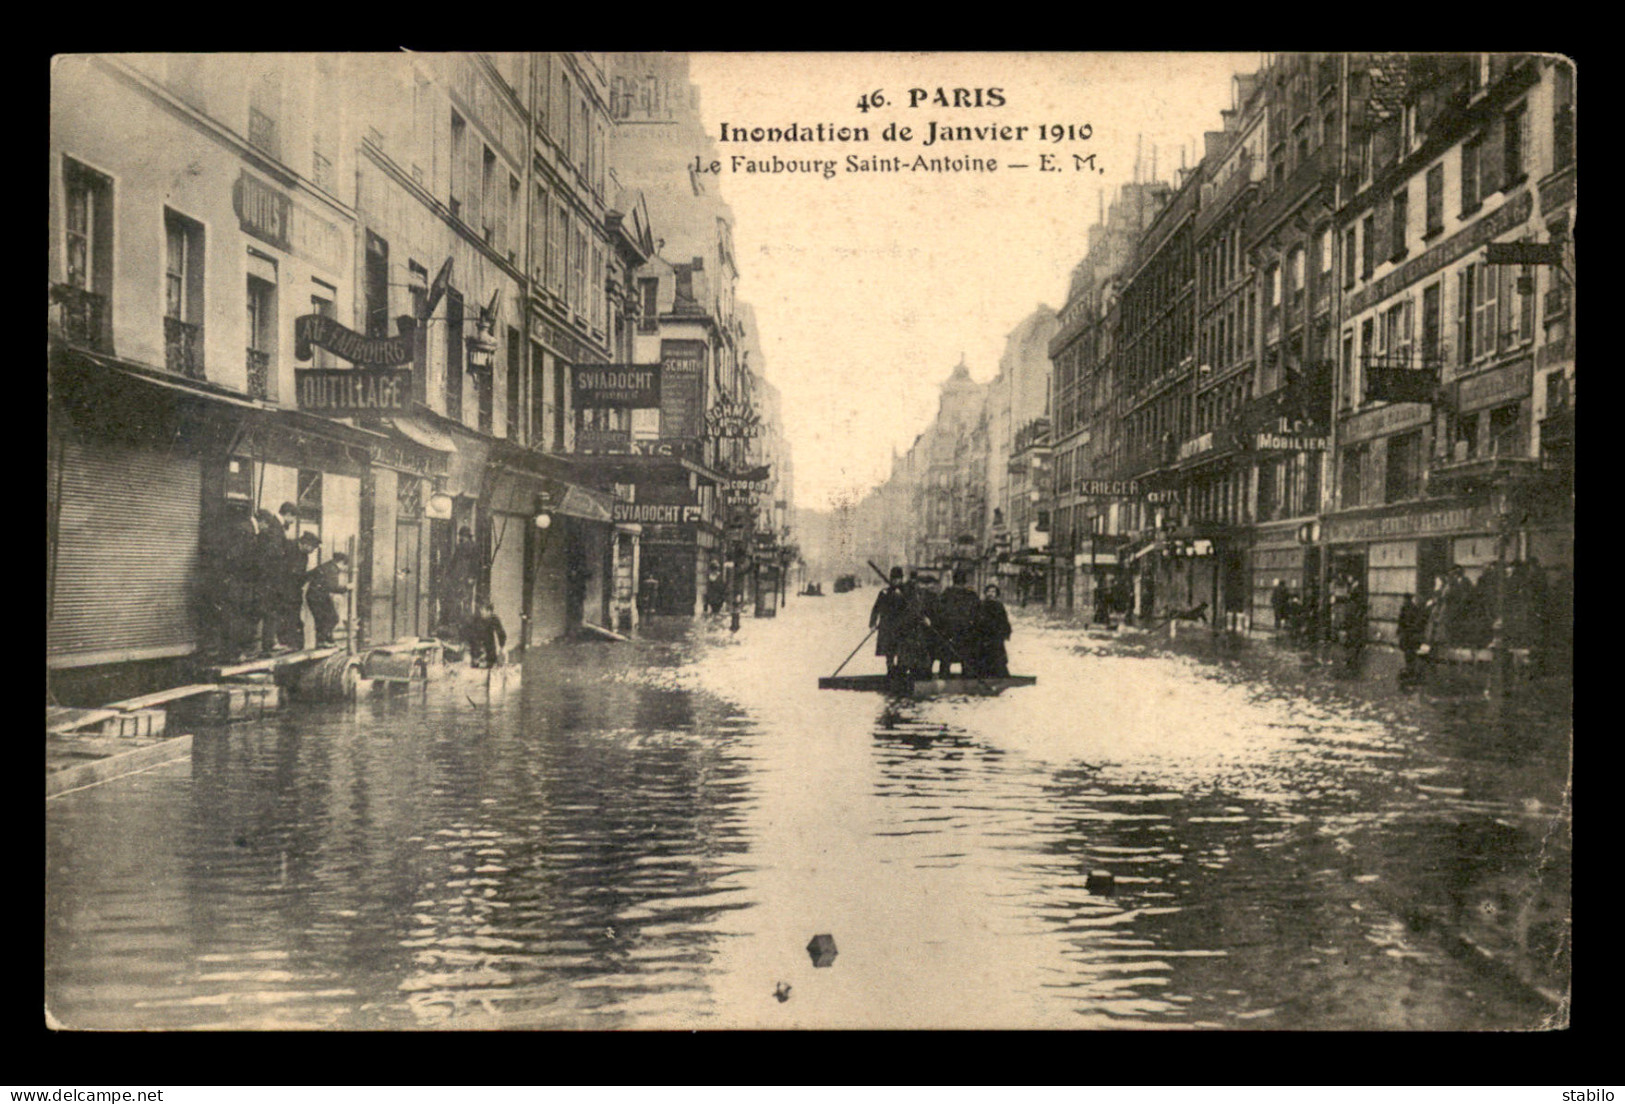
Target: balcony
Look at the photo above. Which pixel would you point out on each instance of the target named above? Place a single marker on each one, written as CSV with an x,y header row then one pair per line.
x,y
80,316
183,348
259,374
1491,470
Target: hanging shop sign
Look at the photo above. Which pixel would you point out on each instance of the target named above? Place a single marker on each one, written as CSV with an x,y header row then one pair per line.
x,y
625,386
346,391
731,419
654,513
340,340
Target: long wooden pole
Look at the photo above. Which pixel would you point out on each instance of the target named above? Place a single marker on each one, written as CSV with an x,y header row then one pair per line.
x,y
854,651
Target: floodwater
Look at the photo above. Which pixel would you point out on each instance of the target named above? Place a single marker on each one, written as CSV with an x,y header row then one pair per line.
x,y
647,835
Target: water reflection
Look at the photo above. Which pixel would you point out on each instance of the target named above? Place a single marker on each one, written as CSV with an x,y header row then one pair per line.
x,y
648,835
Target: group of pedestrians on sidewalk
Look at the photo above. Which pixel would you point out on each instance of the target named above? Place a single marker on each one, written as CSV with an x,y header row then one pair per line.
x,y
1511,606
259,578
923,631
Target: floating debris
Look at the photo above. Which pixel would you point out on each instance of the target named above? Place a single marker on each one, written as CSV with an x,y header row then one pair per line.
x,y
1101,882
782,992
822,950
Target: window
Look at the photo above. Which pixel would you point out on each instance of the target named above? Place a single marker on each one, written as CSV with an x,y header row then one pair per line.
x,y
1432,322
578,287
1434,201
1324,252
560,406
183,294
488,196
376,276
454,355
1562,115
513,218
1295,271
1353,471
648,303
557,249
321,304
87,255
1350,255
1513,134
1470,157
1368,259
484,399
581,138
1464,437
561,132
264,109
538,396
459,159
1396,334
1348,370
1464,314
538,236
261,330
1275,286
1396,226
1485,298
596,288
515,349
1403,478
1506,438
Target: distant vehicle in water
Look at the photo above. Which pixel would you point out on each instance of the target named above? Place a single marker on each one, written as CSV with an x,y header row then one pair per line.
x,y
813,590
844,583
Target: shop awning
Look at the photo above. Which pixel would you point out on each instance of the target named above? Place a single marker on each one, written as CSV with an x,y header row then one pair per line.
x,y
590,505
425,435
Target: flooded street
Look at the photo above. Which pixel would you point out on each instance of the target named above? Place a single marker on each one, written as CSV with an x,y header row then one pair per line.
x,y
647,835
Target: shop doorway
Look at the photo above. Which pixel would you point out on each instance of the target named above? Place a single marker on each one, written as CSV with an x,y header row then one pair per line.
x,y
405,616
1432,563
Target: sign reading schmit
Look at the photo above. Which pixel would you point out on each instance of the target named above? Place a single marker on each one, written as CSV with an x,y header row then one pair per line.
x,y
354,390
624,385
656,514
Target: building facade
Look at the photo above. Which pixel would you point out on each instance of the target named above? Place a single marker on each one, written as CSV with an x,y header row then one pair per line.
x,y
385,291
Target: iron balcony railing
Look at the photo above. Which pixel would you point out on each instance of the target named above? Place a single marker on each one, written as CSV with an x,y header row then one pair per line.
x,y
259,374
183,348
80,316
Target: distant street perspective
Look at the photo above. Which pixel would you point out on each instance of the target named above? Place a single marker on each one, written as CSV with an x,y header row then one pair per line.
x,y
494,581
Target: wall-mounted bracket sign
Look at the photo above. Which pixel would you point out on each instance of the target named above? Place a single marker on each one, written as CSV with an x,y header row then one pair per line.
x,y
371,352
633,386
730,419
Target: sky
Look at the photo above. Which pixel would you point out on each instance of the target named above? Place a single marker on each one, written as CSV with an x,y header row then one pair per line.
x,y
870,287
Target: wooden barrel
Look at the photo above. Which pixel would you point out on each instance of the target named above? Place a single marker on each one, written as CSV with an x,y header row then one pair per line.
x,y
331,679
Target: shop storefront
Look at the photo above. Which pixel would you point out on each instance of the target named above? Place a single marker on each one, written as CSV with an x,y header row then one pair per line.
x,y
1406,549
